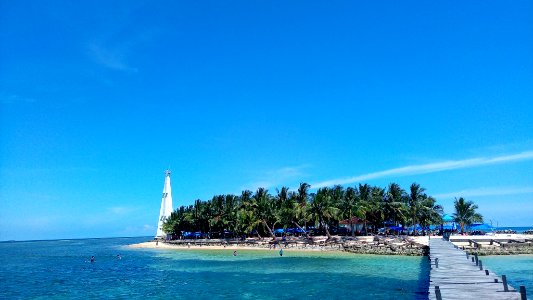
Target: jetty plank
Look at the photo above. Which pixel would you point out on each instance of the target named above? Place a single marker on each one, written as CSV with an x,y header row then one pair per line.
x,y
459,278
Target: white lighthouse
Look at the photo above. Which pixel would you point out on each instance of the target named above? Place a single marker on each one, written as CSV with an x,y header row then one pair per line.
x,y
166,207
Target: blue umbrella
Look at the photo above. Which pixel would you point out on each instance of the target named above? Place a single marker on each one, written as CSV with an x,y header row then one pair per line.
x,y
447,218
481,227
396,228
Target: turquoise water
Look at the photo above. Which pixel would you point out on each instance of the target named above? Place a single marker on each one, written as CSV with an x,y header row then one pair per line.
x,y
61,270
517,268
517,229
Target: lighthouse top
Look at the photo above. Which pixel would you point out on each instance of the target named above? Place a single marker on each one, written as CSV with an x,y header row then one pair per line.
x,y
166,206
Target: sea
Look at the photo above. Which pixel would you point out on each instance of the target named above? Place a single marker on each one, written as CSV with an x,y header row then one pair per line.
x,y
61,269
517,229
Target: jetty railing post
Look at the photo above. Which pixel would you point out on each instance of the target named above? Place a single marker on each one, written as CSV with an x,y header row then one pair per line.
x,y
437,293
437,262
523,295
477,259
487,272
473,259
505,287
480,265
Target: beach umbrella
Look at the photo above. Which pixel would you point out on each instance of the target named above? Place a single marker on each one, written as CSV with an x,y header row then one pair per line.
x,y
481,227
447,218
418,228
396,228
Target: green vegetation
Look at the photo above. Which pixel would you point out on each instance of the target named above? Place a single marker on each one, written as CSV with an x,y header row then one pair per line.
x,y
465,213
260,213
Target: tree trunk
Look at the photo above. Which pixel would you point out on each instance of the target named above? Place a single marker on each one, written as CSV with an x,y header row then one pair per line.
x,y
269,230
305,232
351,225
327,232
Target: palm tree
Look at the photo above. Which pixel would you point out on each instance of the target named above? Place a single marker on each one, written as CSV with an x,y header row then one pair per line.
x,y
229,216
363,205
375,213
283,207
337,196
217,212
176,222
302,206
322,209
395,207
415,198
245,218
263,209
428,212
348,206
465,213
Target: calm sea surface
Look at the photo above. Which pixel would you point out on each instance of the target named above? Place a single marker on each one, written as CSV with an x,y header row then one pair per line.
x,y
61,269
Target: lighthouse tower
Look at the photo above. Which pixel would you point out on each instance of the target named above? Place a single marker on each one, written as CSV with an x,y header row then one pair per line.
x,y
166,207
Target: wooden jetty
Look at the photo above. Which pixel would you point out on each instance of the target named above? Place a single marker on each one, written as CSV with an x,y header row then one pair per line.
x,y
457,275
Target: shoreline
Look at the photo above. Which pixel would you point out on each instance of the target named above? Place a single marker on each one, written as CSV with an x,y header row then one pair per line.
x,y
412,246
499,244
496,244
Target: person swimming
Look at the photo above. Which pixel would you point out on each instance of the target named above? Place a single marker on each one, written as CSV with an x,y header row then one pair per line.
x,y
280,252
235,253
92,259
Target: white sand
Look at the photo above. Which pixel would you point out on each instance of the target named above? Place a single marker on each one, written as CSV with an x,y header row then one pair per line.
x,y
424,240
153,245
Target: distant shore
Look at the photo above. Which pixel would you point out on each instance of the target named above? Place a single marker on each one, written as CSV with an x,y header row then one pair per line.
x,y
497,244
408,246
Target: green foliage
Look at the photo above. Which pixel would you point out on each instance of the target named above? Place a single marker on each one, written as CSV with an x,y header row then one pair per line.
x,y
260,213
465,213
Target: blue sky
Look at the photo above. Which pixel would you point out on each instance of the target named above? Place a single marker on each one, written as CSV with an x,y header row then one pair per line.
x,y
97,99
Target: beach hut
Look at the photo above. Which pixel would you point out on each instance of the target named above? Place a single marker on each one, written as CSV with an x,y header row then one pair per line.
x,y
356,224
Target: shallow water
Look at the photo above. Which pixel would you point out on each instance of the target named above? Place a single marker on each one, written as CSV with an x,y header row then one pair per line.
x,y
517,268
60,269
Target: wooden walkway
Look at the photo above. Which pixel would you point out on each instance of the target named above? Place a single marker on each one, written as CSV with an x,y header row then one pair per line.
x,y
459,278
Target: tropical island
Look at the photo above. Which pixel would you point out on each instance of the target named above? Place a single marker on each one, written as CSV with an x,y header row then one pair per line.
x,y
363,219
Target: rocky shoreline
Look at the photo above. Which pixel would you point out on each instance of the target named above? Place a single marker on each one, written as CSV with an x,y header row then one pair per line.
x,y
500,244
376,245
508,249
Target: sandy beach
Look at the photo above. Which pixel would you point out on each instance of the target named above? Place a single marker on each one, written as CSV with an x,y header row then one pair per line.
x,y
266,245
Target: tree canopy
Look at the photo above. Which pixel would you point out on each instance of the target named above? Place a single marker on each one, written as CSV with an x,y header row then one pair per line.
x,y
465,213
261,213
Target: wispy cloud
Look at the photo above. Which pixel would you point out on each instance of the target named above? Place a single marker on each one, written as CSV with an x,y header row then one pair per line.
x,y
430,168
110,58
121,210
14,99
276,177
487,191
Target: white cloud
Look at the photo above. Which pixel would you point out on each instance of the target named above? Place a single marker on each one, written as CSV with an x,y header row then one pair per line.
x,y
15,99
487,191
121,210
109,58
276,177
430,168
